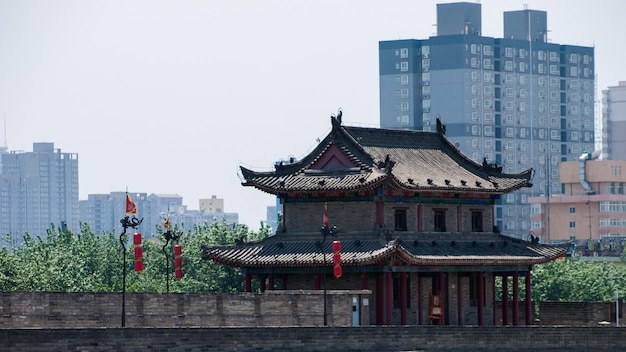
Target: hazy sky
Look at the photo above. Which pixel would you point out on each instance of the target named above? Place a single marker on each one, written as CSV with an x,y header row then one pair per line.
x,y
172,96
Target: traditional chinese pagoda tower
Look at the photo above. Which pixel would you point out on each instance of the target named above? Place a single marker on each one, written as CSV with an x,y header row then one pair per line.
x,y
415,221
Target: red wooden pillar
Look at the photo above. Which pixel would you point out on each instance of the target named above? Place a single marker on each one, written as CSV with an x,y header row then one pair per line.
x,y
271,282
284,277
379,213
403,299
481,298
515,297
419,217
419,298
364,281
318,280
389,298
380,300
459,299
505,299
529,311
248,279
442,294
262,278
493,294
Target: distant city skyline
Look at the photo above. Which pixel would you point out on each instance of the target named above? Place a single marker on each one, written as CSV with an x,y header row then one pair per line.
x,y
171,97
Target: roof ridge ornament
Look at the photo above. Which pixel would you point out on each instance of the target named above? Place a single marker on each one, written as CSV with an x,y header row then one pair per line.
x,y
441,127
387,164
336,120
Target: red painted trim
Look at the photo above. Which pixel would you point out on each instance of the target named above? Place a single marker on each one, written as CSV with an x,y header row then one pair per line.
x,y
529,312
403,298
515,297
505,299
493,295
481,298
333,158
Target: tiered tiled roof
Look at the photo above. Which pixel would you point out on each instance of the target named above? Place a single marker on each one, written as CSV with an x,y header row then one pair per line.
x,y
424,249
407,160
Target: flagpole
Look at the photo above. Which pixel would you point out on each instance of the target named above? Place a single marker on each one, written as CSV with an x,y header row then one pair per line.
x,y
126,223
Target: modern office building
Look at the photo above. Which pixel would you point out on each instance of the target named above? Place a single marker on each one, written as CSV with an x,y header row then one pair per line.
x,y
37,189
519,101
592,207
614,122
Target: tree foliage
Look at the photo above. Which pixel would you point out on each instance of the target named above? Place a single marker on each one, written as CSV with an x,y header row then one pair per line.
x,y
89,262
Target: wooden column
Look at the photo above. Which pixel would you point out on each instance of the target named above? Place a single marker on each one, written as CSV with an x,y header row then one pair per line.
x,y
493,295
389,298
419,298
515,297
284,277
271,282
364,281
262,282
403,298
459,299
318,281
442,294
380,300
248,284
379,214
505,299
481,298
529,311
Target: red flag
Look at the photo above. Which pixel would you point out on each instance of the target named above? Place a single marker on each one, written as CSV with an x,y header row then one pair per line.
x,y
166,223
325,221
131,208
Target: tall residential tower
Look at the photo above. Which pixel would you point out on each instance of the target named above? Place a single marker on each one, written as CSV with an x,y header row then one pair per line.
x,y
37,189
519,101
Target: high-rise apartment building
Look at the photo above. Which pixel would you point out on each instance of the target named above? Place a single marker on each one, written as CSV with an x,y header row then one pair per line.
x,y
37,189
519,101
614,122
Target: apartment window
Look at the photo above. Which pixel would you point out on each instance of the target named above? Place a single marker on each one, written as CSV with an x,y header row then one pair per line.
x,y
541,55
554,82
400,219
509,132
489,131
404,66
488,143
440,220
477,221
572,210
609,188
508,52
404,106
404,53
508,91
404,79
554,56
541,68
535,208
487,50
572,224
508,65
404,93
508,79
474,75
573,71
554,70
574,136
554,135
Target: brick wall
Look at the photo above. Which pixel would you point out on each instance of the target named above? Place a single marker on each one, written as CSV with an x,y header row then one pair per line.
x,y
578,313
89,310
305,339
